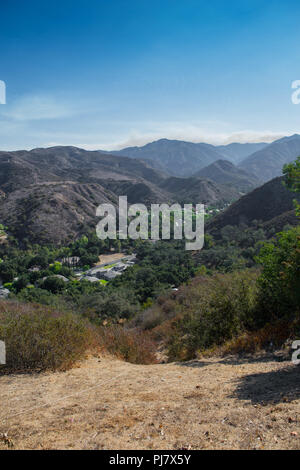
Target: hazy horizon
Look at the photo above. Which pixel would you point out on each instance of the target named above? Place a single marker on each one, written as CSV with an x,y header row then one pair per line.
x,y
122,147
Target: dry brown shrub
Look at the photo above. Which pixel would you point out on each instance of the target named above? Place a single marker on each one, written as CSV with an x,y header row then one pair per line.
x,y
40,338
132,345
271,336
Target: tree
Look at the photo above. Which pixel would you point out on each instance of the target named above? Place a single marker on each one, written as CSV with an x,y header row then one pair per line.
x,y
41,260
88,259
21,283
54,284
7,272
292,179
279,283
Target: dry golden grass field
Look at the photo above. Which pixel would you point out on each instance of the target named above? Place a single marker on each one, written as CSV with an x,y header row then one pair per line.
x,y
104,403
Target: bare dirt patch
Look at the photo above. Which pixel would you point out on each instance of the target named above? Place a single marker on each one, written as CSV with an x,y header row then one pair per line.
x,y
108,404
107,259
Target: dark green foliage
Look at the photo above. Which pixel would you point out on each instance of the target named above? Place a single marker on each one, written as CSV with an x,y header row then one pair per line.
x,y
292,180
53,284
160,266
88,259
21,283
109,304
8,271
41,260
292,175
279,283
234,249
39,296
204,313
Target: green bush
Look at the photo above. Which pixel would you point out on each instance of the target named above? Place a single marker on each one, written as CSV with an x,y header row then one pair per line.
x,y
21,283
204,313
109,304
279,283
54,284
291,172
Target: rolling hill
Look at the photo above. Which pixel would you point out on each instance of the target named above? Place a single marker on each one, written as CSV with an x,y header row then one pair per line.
x,y
199,190
226,173
272,204
69,164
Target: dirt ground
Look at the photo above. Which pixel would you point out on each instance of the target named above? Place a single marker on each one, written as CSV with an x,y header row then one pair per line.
x,y
108,404
112,258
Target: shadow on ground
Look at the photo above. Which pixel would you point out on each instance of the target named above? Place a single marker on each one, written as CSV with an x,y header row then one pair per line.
x,y
270,387
235,360
194,364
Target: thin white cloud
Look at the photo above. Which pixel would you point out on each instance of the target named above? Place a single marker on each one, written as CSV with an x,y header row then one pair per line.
x,y
38,107
44,121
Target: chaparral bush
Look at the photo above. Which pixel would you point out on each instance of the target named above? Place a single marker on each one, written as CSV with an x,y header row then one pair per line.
x,y
279,283
130,345
206,312
40,338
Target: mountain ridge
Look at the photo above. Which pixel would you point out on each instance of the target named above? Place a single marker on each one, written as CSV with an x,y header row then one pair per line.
x,y
266,203
51,194
268,162
226,173
183,158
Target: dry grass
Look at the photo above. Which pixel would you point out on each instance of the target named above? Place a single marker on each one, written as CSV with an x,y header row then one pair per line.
x,y
269,337
109,404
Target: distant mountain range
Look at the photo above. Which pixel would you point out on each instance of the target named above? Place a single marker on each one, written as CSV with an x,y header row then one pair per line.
x,y
175,157
179,158
183,159
237,152
51,195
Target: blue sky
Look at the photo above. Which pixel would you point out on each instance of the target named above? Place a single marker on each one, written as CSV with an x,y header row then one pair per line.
x,y
107,74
